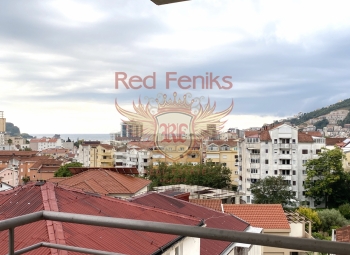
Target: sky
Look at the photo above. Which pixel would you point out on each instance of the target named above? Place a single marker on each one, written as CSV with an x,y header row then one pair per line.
x,y
58,59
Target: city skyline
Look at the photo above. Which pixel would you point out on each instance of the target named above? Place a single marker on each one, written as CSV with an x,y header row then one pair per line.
x,y
58,63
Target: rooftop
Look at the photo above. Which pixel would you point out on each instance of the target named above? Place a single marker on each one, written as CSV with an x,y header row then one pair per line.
x,y
266,216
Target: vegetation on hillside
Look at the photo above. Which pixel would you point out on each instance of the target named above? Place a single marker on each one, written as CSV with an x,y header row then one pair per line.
x,y
12,129
345,104
208,175
321,124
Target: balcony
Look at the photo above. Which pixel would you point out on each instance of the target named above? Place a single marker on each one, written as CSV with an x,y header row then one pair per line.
x,y
284,146
285,156
165,228
285,167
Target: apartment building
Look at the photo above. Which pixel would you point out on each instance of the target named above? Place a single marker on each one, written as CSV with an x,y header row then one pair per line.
x,y
277,149
45,143
102,156
2,128
131,129
226,153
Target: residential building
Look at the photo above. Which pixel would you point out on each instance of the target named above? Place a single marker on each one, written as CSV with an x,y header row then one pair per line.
x,y
33,198
105,182
131,129
9,175
43,169
137,154
225,153
45,143
2,128
102,155
212,219
274,221
277,149
4,186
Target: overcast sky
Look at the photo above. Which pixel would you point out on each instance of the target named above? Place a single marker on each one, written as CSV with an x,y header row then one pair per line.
x,y
58,58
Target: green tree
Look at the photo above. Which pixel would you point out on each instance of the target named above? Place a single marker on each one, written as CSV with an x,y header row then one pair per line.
x,y
272,190
78,142
326,179
25,179
331,219
9,141
209,175
63,171
68,140
345,210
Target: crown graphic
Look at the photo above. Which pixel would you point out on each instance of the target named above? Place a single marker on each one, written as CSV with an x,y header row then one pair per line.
x,y
175,103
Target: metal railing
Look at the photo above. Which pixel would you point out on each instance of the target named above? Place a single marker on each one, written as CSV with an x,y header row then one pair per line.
x,y
166,228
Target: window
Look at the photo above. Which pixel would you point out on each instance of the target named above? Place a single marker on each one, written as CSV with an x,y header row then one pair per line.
x,y
285,161
224,164
252,140
266,161
254,171
304,152
275,141
304,162
254,160
318,151
275,172
304,172
294,183
267,151
293,141
267,172
255,151
303,193
294,172
236,172
285,172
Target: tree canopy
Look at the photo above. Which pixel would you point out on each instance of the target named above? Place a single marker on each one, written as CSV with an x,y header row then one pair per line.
x,y
272,190
63,171
326,179
208,174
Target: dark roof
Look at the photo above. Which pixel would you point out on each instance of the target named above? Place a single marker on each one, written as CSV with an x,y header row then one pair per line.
x,y
334,141
212,218
30,198
304,138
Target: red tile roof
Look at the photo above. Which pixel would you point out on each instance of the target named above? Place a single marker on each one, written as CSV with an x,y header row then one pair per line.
x,y
214,204
314,133
333,141
35,198
18,153
230,142
105,182
263,134
304,138
267,216
212,218
121,170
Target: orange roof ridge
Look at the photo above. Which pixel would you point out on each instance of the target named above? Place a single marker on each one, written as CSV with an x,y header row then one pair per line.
x,y
54,228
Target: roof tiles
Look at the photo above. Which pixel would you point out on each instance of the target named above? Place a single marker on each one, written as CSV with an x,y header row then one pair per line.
x,y
267,216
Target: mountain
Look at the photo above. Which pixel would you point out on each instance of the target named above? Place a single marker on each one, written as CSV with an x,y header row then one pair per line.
x,y
13,130
345,104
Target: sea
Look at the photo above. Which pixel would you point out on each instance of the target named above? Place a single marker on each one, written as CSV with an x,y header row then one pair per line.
x,y
76,137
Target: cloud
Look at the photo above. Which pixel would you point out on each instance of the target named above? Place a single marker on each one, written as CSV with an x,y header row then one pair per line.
x,y
59,59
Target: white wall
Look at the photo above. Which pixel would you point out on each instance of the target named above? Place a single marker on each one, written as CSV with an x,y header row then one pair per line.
x,y
297,229
188,246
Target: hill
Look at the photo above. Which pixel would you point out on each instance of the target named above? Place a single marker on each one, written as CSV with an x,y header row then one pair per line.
x,y
345,104
13,130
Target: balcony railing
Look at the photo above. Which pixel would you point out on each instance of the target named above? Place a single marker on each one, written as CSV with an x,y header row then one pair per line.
x,y
166,228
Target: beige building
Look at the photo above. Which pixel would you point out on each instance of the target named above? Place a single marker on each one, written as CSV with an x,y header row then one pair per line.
x,y
2,128
102,155
226,153
9,175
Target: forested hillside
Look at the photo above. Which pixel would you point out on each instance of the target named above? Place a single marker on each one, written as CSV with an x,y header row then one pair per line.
x,y
345,104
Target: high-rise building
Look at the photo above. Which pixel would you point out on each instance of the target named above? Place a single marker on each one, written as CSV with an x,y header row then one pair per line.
x,y
2,128
131,129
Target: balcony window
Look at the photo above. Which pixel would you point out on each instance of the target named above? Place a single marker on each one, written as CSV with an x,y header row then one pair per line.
x,y
225,148
285,172
254,160
284,140
285,161
252,140
254,171
255,151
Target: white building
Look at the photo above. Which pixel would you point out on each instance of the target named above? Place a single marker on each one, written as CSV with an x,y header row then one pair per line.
x,y
277,150
45,143
134,156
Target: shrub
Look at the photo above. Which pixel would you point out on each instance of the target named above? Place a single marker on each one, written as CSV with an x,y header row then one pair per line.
x,y
345,210
311,215
329,218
